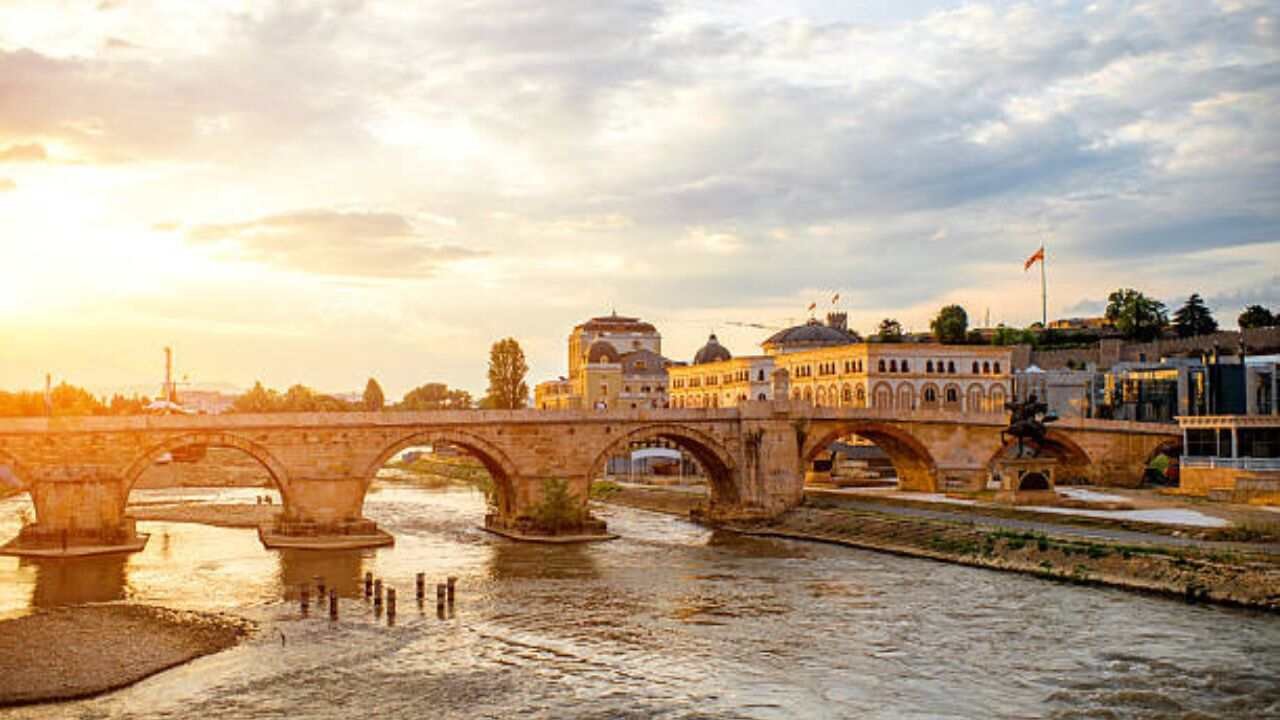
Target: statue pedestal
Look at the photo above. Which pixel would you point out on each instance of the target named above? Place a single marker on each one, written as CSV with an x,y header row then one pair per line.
x,y
1026,481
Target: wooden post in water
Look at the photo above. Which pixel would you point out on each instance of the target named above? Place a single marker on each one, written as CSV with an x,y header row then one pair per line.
x,y
391,604
422,586
440,593
377,594
333,604
319,586
452,581
368,585
306,599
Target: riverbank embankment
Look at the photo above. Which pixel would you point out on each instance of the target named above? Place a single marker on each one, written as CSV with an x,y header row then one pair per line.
x,y
76,652
1196,571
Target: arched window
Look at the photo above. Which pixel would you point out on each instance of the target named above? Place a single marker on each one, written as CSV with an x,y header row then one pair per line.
x,y
761,397
976,400
928,366
861,396
884,396
881,366
846,394
905,368
951,367
930,395
808,394
760,378
893,366
975,367
952,395
996,367
986,368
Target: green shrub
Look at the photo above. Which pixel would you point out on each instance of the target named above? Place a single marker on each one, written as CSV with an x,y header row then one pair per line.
x,y
559,509
602,489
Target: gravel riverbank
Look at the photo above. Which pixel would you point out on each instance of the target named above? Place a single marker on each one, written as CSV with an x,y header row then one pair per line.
x,y
75,652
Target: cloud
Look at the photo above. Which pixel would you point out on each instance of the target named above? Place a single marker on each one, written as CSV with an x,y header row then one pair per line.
x,y
329,242
115,43
7,185
24,152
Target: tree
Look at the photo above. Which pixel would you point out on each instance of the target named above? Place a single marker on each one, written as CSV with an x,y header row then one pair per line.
x,y
373,398
1256,316
507,368
435,396
950,325
1135,315
890,331
1194,318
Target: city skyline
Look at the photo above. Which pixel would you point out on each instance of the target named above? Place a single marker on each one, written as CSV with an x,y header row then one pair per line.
x,y
324,194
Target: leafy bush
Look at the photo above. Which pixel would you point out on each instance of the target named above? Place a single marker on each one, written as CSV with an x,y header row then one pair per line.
x,y
559,508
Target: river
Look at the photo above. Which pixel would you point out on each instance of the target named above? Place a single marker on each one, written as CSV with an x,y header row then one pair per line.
x,y
671,621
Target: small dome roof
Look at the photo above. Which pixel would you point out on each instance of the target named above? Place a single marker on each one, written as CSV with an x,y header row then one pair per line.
x,y
812,333
713,351
602,352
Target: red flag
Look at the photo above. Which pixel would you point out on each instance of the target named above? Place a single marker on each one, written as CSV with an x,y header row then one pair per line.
x,y
812,306
1036,256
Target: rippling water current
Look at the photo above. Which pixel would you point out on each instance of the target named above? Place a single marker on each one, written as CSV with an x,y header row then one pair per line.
x,y
671,621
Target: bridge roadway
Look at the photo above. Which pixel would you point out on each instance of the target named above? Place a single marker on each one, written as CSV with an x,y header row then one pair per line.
x,y
80,470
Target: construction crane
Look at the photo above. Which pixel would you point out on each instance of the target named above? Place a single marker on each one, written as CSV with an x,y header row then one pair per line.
x,y
753,325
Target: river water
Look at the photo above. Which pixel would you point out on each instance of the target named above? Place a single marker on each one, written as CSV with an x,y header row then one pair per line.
x,y
671,621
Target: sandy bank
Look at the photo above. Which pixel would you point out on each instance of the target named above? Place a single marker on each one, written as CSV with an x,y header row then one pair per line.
x,y
80,651
224,515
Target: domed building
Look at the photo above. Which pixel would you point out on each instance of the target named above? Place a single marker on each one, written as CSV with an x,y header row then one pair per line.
x,y
614,362
812,334
717,379
713,351
829,365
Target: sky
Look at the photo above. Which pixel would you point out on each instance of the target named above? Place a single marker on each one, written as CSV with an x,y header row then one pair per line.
x,y
323,192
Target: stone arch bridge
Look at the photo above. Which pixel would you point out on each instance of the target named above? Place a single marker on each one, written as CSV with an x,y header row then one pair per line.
x,y
80,470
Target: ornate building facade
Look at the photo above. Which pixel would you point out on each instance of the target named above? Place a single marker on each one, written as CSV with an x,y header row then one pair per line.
x,y
614,362
827,366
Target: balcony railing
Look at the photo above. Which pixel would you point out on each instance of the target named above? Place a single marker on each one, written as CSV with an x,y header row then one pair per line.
x,y
1244,463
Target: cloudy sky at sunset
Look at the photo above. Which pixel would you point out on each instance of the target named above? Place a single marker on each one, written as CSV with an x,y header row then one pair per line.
x,y
319,192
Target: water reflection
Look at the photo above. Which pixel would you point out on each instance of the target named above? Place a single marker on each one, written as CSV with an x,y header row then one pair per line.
x,y
75,581
509,560
342,570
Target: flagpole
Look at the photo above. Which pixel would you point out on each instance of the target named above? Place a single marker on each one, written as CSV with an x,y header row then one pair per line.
x,y
1044,293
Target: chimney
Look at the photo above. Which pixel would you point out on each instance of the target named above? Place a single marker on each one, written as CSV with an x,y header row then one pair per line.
x,y
838,320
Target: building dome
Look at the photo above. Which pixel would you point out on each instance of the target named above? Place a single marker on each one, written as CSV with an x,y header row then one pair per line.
x,y
713,351
602,352
810,335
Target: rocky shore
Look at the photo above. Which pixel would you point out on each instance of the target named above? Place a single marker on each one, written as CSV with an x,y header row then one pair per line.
x,y
76,652
1196,574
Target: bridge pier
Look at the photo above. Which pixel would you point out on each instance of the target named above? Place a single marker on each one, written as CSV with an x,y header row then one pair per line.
x,y
79,511
536,510
322,514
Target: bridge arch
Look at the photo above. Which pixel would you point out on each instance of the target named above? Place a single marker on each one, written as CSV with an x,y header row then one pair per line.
x,y
495,461
912,461
279,475
710,454
1073,460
